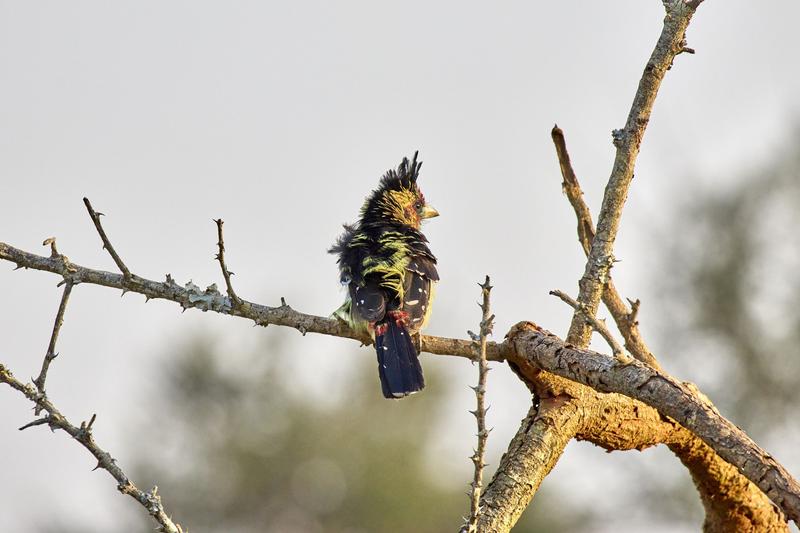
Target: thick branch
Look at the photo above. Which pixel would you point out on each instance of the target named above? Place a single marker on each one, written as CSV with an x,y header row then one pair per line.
x,y
534,346
536,448
732,502
83,434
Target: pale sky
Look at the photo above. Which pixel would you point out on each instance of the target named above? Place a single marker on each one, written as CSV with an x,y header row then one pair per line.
x,y
280,117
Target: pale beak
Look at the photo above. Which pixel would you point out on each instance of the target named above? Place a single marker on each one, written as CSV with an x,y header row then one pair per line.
x,y
429,212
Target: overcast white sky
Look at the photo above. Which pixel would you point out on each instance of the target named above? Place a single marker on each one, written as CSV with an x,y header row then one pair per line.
x,y
279,117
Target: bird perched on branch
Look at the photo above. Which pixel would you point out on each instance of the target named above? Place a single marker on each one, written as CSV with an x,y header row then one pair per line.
x,y
390,274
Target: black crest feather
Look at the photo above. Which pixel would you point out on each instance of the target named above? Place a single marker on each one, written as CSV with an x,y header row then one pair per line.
x,y
405,177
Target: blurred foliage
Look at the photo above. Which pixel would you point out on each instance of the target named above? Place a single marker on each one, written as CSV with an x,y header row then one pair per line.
x,y
244,452
732,322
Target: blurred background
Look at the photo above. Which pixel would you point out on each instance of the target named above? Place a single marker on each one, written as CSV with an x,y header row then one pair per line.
x,y
279,118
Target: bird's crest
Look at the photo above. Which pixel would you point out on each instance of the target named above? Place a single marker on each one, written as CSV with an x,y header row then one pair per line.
x,y
397,198
405,177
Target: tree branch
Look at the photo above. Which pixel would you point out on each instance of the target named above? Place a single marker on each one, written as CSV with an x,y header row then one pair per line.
x,y
534,346
235,300
732,502
478,458
598,325
190,296
537,446
51,348
624,318
106,242
151,501
670,43
627,140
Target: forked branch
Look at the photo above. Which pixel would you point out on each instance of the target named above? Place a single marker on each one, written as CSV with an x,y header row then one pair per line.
x,y
151,500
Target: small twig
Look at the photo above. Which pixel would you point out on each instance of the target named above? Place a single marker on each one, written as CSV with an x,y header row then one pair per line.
x,y
106,242
37,422
51,348
151,501
53,250
572,189
598,325
487,322
235,300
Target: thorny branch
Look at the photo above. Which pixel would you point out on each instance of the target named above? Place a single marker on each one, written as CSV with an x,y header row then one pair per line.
x,y
106,242
151,500
235,300
190,296
51,348
478,457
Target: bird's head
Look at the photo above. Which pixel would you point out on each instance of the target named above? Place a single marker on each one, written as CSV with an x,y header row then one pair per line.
x,y
398,199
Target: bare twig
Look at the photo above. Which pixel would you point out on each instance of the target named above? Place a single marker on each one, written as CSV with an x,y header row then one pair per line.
x,y
51,348
151,501
598,325
623,317
627,141
478,457
53,250
106,242
235,300
572,189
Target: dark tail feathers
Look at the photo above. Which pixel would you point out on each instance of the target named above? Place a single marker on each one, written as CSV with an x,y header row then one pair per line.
x,y
398,364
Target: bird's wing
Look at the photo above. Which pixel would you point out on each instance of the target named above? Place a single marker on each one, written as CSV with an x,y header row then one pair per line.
x,y
418,294
368,301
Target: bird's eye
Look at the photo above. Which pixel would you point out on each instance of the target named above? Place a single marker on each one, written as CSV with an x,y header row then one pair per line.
x,y
418,205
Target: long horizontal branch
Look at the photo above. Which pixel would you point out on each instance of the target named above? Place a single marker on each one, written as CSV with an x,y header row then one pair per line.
x,y
191,296
531,345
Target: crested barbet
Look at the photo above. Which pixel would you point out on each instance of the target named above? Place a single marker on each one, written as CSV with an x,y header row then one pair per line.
x,y
390,273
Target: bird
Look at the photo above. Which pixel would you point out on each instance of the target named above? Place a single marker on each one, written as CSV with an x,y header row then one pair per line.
x,y
390,275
